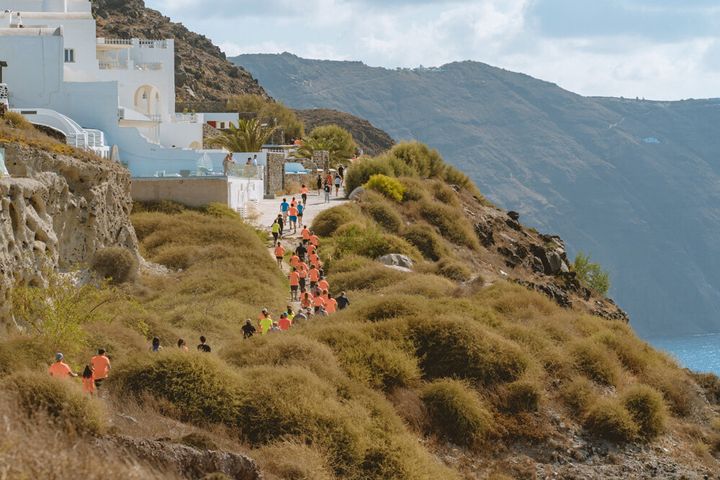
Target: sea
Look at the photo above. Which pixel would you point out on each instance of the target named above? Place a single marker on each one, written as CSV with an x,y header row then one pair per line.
x,y
700,353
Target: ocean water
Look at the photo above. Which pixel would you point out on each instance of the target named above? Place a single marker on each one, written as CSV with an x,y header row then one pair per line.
x,y
700,353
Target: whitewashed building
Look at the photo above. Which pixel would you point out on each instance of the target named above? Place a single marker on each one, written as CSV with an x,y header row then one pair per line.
x,y
113,96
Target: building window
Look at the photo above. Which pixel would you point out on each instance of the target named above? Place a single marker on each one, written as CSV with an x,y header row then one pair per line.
x,y
222,125
69,55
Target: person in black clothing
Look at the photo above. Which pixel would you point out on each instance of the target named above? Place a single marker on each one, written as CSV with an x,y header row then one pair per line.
x,y
281,223
342,301
301,251
319,184
248,329
341,172
203,347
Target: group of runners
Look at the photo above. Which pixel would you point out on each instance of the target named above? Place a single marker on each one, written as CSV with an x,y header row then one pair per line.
x,y
93,374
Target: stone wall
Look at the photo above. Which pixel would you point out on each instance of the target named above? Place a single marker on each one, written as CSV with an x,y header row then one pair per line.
x,y
193,192
275,173
56,212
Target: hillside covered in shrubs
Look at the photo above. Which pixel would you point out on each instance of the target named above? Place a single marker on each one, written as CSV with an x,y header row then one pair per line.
x,y
484,357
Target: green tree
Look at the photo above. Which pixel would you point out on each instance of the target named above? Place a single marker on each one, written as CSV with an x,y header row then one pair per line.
x,y
591,274
269,112
331,138
248,136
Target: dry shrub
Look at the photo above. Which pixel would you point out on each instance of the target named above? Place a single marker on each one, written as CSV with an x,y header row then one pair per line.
x,y
609,419
199,440
422,285
328,221
177,257
368,241
521,396
351,263
456,348
59,399
647,408
382,212
380,308
411,408
415,189
451,222
282,351
20,353
596,362
365,168
676,386
376,363
454,270
293,461
17,120
372,278
221,210
115,263
517,302
429,243
634,354
578,394
444,193
710,383
387,186
457,413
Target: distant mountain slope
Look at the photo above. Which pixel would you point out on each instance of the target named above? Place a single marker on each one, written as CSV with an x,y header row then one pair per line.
x,y
369,138
635,183
202,73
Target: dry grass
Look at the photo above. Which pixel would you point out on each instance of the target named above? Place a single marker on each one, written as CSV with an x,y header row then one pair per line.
x,y
610,420
293,461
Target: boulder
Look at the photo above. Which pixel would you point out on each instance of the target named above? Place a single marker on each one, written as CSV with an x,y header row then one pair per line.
x,y
514,215
397,260
356,194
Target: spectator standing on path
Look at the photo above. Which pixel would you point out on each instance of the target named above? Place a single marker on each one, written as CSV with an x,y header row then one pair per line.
x,y
284,207
304,193
342,301
293,216
275,230
60,369
328,191
319,184
100,366
203,346
279,254
338,182
182,346
248,329
88,381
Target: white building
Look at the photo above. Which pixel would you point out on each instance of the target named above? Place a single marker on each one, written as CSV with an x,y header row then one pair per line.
x,y
108,95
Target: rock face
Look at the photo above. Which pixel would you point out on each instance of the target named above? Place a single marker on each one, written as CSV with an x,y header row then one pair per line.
x,y
55,212
189,462
397,260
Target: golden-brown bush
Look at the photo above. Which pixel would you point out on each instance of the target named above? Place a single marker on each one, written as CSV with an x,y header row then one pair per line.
x,y
116,264
424,238
647,408
597,363
610,420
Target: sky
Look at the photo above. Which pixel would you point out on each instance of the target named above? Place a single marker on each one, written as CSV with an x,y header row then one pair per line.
x,y
655,49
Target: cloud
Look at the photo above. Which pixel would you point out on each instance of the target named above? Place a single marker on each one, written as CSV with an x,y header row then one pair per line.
x,y
651,48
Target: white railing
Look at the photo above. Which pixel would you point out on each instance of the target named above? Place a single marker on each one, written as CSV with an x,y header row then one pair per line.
x,y
152,43
148,66
115,41
112,65
135,42
186,118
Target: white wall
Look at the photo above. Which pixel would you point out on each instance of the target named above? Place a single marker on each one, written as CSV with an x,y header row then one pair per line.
x,y
181,135
32,84
241,191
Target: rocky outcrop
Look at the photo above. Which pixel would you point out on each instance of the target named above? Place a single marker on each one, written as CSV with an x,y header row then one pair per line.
x,y
398,261
369,138
57,211
191,463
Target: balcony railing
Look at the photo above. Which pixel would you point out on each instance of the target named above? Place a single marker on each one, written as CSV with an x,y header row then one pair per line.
x,y
148,66
134,42
186,118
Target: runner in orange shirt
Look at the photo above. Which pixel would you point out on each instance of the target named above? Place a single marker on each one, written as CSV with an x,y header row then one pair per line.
x,y
101,367
314,276
294,284
303,271
305,234
293,215
306,300
323,284
314,239
314,260
294,261
304,193
279,254
331,305
311,249
284,323
60,369
318,302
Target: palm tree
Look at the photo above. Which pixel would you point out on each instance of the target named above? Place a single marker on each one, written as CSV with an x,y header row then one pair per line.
x,y
248,136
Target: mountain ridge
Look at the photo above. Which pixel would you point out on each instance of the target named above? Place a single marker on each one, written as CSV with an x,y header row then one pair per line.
x,y
585,167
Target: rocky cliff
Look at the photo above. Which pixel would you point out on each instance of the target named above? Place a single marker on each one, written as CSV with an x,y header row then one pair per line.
x,y
56,211
369,138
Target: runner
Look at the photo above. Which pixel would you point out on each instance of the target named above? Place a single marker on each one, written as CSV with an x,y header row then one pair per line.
x,y
155,346
293,215
328,191
281,222
284,323
304,193
182,345
88,381
290,312
314,260
306,300
295,260
319,184
301,251
203,346
342,301
311,249
328,178
338,182
279,254
341,172
284,207
306,234
314,239
318,302
330,304
275,229
265,321
294,278
60,369
100,366
303,273
323,284
301,212
314,276
248,329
